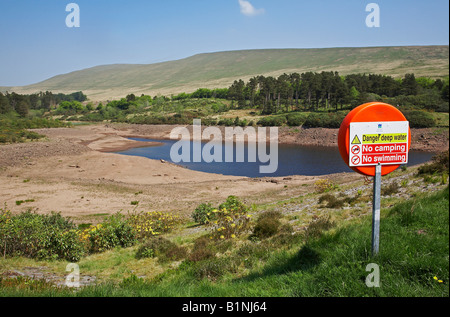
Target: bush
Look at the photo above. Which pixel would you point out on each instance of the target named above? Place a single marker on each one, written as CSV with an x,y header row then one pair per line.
x,y
285,237
318,226
391,189
296,119
55,237
232,219
154,247
149,224
14,129
176,253
67,245
203,214
162,248
440,164
332,201
113,232
267,225
233,204
39,236
272,121
323,185
419,119
202,250
330,120
58,221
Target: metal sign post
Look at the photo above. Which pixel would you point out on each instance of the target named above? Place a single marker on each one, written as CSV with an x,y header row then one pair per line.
x,y
376,206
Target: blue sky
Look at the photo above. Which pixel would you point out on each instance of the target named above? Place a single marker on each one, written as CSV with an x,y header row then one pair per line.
x,y
36,44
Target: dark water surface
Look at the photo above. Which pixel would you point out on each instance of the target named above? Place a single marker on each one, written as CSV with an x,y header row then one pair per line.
x,y
292,160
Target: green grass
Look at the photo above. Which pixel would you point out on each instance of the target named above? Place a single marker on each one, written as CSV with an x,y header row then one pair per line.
x,y
414,248
442,119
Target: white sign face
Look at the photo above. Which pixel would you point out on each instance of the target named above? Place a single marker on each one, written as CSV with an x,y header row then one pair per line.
x,y
378,142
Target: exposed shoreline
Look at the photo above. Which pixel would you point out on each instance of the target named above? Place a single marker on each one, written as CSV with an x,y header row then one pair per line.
x,y
421,139
73,172
112,138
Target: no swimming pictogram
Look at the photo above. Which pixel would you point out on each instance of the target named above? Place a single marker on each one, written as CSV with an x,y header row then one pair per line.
x,y
356,160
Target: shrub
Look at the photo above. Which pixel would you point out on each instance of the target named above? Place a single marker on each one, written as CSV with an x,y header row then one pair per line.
x,y
324,185
272,121
332,201
296,119
267,225
285,237
149,224
318,226
419,119
226,122
203,214
67,245
326,197
39,236
391,189
440,164
331,120
175,253
233,204
113,232
55,219
232,219
202,250
162,248
13,129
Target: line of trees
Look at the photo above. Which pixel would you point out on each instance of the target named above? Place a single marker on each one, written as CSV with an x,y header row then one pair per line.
x,y
328,90
311,91
42,100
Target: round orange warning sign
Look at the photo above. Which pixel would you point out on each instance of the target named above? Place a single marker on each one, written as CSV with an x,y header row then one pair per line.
x,y
380,134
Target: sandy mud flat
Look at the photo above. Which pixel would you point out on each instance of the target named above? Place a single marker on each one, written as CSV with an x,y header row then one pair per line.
x,y
74,172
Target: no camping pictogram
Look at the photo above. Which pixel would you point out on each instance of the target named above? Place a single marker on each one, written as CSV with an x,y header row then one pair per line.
x,y
356,160
356,149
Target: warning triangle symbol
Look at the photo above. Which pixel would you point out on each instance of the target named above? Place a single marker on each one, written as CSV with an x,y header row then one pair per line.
x,y
356,140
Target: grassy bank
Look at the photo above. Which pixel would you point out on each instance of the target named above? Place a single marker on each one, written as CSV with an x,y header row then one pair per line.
x,y
414,249
15,129
327,259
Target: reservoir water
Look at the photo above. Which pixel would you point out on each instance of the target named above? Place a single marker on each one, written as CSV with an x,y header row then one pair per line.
x,y
292,160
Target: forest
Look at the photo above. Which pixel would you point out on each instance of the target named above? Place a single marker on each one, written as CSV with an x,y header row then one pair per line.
x,y
22,104
328,90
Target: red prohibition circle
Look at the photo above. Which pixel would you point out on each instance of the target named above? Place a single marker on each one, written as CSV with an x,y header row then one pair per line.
x,y
356,160
356,149
368,112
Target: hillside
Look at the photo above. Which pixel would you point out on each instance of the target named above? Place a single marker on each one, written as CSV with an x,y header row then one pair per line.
x,y
215,70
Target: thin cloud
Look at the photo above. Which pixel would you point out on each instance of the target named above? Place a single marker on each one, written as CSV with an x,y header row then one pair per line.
x,y
248,9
